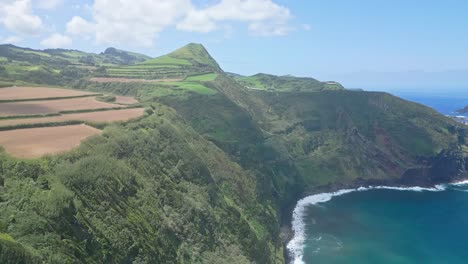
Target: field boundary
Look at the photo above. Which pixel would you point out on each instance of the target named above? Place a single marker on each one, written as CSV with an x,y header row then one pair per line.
x,y
72,112
98,109
38,125
95,124
28,116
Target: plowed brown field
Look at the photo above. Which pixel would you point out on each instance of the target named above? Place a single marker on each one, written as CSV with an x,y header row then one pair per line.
x,y
102,116
22,93
36,142
52,106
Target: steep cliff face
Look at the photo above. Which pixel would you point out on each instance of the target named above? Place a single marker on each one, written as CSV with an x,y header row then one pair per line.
x,y
302,142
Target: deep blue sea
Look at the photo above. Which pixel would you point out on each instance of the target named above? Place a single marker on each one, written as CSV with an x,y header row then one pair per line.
x,y
387,226
445,102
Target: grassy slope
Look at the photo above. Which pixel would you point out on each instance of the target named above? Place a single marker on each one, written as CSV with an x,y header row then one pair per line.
x,y
209,176
136,193
189,60
165,195
307,140
269,82
58,66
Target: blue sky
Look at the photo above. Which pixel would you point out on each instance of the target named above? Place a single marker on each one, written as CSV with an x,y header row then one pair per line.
x,y
373,44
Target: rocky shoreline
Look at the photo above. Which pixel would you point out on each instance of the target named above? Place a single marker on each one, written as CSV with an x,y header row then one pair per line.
x,y
287,232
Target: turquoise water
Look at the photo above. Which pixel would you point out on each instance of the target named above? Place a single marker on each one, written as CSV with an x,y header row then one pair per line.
x,y
388,226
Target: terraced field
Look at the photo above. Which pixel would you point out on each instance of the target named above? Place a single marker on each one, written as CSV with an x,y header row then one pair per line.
x,y
36,142
101,116
150,72
35,121
130,80
52,106
25,93
179,64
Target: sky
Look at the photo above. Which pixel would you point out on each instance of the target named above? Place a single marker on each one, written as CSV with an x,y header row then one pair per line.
x,y
370,44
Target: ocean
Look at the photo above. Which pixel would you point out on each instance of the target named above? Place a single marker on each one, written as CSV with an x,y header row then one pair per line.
x,y
386,225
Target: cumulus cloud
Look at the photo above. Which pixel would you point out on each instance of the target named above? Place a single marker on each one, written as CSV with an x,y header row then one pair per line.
x,y
197,21
138,22
80,27
56,41
17,16
130,21
265,17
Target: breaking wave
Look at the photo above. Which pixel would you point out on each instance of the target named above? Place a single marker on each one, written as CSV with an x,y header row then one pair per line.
x,y
296,245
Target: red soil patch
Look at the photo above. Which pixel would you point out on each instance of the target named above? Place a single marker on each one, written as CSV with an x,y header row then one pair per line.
x,y
36,142
21,93
102,116
130,80
51,106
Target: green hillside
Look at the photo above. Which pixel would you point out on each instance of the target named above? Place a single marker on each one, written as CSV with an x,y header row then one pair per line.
x,y
192,59
212,172
24,66
269,82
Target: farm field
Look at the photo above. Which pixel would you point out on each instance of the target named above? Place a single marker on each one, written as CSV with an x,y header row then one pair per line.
x,y
101,116
130,80
22,93
50,117
52,106
36,142
202,78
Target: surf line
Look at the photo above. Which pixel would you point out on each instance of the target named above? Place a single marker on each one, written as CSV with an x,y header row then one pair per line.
x,y
295,246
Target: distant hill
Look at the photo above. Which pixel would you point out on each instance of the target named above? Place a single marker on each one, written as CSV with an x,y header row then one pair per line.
x,y
61,57
124,57
463,110
191,59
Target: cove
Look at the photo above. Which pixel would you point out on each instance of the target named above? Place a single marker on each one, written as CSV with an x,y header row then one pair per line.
x,y
382,225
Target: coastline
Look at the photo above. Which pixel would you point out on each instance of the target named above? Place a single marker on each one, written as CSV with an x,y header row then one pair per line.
x,y
295,233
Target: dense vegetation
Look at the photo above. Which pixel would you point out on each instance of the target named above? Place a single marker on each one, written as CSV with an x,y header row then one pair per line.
x,y
269,82
211,173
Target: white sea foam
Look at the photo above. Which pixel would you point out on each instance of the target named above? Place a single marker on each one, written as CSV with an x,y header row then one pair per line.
x,y
296,245
465,182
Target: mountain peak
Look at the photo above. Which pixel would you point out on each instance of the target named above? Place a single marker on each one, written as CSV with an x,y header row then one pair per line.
x,y
197,54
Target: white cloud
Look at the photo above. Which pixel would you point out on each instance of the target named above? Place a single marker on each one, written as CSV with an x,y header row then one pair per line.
x,y
138,22
133,22
197,21
56,41
17,16
80,27
265,17
49,4
12,40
